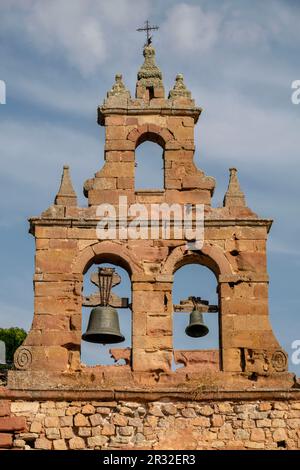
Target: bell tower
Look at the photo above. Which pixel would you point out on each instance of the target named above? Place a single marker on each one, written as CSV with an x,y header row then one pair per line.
x,y
233,248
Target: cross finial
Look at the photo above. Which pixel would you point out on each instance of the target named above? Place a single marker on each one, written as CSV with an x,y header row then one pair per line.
x,y
148,28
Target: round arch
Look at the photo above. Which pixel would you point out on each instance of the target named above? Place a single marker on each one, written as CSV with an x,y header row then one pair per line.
x,y
152,133
106,252
210,256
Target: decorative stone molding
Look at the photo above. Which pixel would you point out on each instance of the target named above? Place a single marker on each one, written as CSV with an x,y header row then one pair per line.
x,y
179,89
22,358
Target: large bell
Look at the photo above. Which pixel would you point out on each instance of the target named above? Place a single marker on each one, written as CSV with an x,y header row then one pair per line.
x,y
103,326
196,327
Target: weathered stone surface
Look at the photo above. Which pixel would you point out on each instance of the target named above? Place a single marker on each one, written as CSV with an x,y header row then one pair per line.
x,y
108,429
66,433
66,421
81,420
77,443
84,432
119,420
96,441
43,443
4,408
24,407
169,409
52,433
36,426
257,435
126,430
51,422
12,423
19,443
88,410
96,419
206,410
60,444
5,440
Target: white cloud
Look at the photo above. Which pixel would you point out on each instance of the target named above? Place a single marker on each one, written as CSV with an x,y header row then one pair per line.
x,y
189,30
69,27
82,33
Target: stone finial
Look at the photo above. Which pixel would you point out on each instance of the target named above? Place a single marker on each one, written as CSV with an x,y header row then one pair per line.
x,y
179,88
149,76
118,88
66,195
234,196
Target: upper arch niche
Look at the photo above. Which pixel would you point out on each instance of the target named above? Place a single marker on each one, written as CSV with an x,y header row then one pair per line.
x,y
149,166
209,256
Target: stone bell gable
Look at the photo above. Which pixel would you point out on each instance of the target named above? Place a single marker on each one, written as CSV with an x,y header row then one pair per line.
x,y
234,249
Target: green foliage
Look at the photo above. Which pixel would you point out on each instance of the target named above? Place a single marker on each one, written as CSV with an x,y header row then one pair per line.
x,y
13,338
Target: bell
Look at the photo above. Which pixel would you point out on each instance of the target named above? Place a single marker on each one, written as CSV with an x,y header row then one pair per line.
x,y
103,326
196,327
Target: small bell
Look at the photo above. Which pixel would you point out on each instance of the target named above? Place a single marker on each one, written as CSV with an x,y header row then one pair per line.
x,y
196,327
103,326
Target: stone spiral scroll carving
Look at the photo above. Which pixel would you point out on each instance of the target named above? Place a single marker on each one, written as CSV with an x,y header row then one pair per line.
x,y
23,358
279,361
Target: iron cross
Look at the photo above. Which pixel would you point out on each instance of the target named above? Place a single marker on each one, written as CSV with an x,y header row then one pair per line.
x,y
148,28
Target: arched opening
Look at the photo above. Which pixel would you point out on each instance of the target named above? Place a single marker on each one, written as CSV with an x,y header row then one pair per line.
x,y
195,280
149,166
99,354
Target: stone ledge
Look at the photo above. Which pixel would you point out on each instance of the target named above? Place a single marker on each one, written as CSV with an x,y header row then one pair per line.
x,y
150,395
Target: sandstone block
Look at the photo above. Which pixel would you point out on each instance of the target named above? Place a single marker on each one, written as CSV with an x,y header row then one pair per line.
x,y
97,441
126,430
66,421
108,429
19,443
36,426
217,421
72,410
188,413
5,441
155,410
257,435
43,444
80,420
88,409
206,410
60,444
170,409
278,423
265,406
96,420
263,423
51,422
77,443
201,421
293,423
12,423
67,433
24,407
84,432
279,435
52,433
103,410
4,408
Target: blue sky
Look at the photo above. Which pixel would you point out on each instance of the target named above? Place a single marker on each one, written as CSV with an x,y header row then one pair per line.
x,y
238,58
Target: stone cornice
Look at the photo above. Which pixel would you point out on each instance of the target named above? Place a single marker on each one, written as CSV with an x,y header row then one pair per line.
x,y
150,395
143,109
92,223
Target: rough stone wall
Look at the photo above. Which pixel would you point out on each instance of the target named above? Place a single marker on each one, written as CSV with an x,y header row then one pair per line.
x,y
174,425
